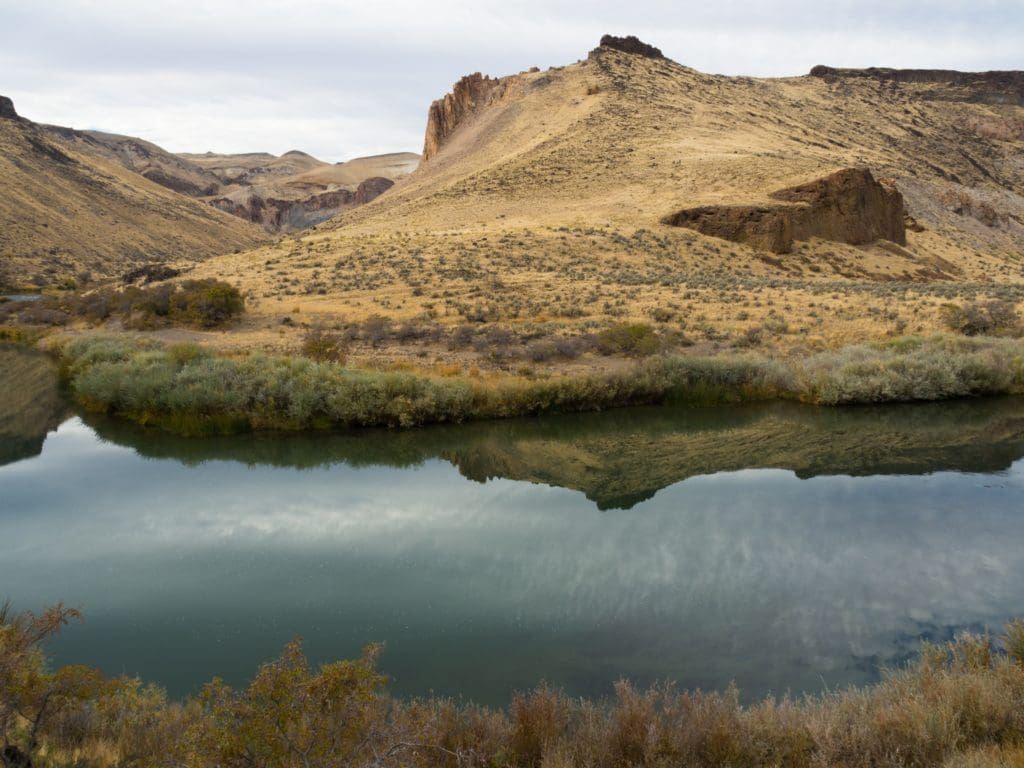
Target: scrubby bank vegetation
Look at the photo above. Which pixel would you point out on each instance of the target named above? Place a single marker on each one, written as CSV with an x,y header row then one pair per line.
x,y
191,390
205,303
962,704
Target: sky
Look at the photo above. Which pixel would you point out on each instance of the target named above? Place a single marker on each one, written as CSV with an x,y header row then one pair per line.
x,y
342,79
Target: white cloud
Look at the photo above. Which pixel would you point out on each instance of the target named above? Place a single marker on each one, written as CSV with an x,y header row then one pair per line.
x,y
338,78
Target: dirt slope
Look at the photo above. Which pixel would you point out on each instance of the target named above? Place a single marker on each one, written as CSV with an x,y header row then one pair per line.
x,y
64,213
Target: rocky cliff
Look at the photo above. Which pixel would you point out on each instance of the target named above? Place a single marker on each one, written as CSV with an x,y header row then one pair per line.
x,y
848,206
468,95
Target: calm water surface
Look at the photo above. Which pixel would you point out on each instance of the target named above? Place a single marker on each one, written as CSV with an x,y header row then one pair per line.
x,y
777,546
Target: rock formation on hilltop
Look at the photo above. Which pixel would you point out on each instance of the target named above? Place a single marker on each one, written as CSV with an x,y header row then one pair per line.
x,y
469,94
849,206
995,87
7,111
631,44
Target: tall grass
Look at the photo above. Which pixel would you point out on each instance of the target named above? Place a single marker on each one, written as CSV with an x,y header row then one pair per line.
x,y
193,391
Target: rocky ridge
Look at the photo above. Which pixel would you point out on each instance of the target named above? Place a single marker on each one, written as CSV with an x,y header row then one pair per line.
x,y
993,87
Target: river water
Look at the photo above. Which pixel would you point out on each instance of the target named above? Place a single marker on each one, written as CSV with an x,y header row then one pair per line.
x,y
780,547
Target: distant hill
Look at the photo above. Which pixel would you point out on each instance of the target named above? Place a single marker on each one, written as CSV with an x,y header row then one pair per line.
x,y
282,194
71,208
296,191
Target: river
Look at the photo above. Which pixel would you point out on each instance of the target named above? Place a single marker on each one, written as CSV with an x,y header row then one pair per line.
x,y
777,546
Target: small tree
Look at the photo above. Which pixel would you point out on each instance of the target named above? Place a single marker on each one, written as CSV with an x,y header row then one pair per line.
x,y
33,700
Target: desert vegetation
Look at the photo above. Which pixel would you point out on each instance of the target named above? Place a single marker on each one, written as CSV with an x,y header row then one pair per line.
x,y
960,704
189,389
205,303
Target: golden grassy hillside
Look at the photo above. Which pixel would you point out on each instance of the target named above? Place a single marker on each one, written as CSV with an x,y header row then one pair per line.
x,y
65,214
543,198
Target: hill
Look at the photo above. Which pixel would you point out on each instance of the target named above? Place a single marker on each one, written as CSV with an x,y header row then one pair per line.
x,y
296,191
67,214
286,193
801,211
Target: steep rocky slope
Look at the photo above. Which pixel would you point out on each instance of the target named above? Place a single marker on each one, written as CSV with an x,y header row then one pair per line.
x,y
547,197
65,213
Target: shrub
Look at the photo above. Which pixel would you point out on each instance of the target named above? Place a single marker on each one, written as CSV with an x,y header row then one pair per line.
x,y
633,339
324,346
981,318
206,303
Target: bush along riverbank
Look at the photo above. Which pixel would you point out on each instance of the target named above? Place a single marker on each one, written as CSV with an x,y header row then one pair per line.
x,y
190,390
960,705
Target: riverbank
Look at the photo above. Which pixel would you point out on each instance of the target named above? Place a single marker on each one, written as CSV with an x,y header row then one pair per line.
x,y
191,390
959,705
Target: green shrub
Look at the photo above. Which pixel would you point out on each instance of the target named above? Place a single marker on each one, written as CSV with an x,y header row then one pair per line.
x,y
633,339
206,303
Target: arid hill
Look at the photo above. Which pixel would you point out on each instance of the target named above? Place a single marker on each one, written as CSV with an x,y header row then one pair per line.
x,y
291,192
552,199
66,213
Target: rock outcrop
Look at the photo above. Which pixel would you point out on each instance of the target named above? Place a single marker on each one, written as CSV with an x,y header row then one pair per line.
x,y
7,111
848,206
631,44
446,114
282,215
370,189
994,87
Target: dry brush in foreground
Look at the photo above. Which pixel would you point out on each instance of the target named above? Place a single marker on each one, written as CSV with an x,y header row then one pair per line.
x,y
962,704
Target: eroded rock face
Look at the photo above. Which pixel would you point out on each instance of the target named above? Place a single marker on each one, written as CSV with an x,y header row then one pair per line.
x,y
290,215
849,206
7,111
468,95
762,228
631,44
370,189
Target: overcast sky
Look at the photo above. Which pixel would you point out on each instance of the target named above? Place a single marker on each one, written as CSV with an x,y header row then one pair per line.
x,y
341,79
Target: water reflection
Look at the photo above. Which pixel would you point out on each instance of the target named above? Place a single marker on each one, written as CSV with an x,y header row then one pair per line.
x,y
30,402
780,547
620,458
